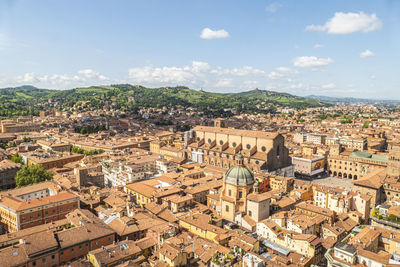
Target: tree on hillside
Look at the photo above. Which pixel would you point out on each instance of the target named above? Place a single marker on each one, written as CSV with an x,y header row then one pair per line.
x,y
31,175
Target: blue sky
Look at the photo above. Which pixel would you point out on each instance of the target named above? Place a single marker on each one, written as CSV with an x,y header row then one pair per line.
x,y
334,48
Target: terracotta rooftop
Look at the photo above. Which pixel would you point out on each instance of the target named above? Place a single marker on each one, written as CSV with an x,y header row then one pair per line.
x,y
249,133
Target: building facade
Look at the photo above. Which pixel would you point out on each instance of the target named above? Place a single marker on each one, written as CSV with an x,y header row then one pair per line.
x,y
218,146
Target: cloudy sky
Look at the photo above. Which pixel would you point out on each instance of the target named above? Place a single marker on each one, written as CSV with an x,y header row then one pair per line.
x,y
333,48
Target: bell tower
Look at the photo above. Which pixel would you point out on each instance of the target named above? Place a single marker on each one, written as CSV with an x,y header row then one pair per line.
x,y
393,168
219,123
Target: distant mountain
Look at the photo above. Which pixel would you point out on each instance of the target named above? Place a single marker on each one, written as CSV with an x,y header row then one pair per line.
x,y
282,99
128,97
352,100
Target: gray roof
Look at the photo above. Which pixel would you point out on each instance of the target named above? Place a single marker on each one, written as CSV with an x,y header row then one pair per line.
x,y
239,174
276,247
368,156
346,247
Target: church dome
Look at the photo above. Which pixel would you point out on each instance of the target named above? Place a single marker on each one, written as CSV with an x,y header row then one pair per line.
x,y
239,174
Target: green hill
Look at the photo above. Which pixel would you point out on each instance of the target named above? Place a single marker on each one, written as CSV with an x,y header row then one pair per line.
x,y
28,100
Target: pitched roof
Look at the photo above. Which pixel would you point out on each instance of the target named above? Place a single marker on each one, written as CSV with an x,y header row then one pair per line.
x,y
249,133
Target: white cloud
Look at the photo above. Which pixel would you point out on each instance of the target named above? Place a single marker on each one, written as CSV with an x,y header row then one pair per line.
x,y
281,72
373,77
199,66
275,75
86,77
196,73
207,33
243,71
160,75
311,61
316,46
329,86
366,53
345,23
224,83
28,78
273,7
91,74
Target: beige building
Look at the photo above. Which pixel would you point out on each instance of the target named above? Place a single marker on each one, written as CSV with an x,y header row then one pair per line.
x,y
342,201
308,166
349,142
353,165
313,138
11,127
240,200
218,146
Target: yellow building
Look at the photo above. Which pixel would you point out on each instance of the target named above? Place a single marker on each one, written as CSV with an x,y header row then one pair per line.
x,y
238,183
200,225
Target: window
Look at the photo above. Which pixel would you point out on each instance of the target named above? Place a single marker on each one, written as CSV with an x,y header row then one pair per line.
x,y
234,144
221,142
44,259
53,257
250,213
240,194
34,263
227,208
229,192
209,140
248,146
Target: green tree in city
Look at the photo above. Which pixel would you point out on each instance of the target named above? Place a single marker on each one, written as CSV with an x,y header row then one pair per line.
x,y
17,159
31,175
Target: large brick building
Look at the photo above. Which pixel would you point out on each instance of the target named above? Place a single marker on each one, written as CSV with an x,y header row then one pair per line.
x,y
218,146
49,161
56,243
33,205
